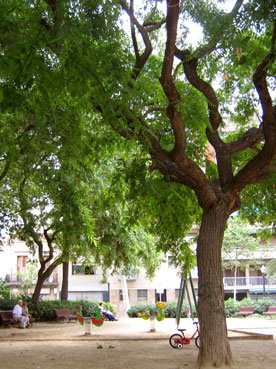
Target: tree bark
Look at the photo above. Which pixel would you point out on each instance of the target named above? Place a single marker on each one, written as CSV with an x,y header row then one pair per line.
x,y
39,284
42,276
64,287
214,346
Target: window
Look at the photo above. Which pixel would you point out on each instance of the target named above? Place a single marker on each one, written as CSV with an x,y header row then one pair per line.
x,y
142,295
171,262
21,267
82,269
121,295
22,264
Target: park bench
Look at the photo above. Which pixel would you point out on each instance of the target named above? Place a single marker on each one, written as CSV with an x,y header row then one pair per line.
x,y
245,310
271,311
8,319
63,314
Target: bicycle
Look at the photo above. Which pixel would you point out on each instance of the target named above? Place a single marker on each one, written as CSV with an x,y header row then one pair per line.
x,y
178,341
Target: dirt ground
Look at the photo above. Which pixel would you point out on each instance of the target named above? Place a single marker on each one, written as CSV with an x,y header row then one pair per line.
x,y
129,344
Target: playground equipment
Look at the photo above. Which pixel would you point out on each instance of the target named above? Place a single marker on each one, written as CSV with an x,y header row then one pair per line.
x,y
98,320
160,316
176,340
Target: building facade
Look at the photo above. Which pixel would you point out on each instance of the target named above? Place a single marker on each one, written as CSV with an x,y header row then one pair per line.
x,y
87,282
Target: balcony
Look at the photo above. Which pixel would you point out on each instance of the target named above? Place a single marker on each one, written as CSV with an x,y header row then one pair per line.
x,y
128,277
254,284
17,281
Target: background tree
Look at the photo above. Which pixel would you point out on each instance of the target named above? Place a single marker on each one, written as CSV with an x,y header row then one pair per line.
x,y
239,247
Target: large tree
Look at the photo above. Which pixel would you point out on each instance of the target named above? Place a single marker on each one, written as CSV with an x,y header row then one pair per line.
x,y
233,70
171,97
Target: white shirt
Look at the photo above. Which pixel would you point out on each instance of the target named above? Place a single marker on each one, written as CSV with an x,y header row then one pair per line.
x,y
17,310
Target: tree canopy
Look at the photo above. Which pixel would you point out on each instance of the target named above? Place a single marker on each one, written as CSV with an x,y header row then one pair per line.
x,y
202,115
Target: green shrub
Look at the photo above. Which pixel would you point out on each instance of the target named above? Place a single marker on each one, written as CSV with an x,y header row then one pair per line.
x,y
231,307
260,305
263,304
44,310
4,290
246,302
169,310
142,308
108,306
171,307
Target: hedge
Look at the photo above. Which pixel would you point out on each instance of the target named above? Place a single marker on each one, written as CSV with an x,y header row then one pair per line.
x,y
231,307
260,305
44,310
169,310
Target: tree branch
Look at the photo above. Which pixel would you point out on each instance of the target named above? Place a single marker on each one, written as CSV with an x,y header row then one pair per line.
x,y
5,170
211,46
140,59
167,82
250,139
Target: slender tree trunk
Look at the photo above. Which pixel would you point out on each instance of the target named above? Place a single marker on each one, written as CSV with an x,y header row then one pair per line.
x,y
64,287
235,278
214,346
37,290
42,276
125,293
39,284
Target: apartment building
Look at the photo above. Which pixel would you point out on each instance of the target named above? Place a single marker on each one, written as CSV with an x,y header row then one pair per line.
x,y
15,261
251,280
87,282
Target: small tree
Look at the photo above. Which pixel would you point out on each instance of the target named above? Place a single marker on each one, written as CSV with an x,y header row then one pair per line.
x,y
30,278
271,268
239,247
4,290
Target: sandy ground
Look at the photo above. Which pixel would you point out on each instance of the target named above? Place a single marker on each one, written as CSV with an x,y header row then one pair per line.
x,y
129,344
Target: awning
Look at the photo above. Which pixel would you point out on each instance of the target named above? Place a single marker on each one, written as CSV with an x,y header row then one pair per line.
x,y
262,291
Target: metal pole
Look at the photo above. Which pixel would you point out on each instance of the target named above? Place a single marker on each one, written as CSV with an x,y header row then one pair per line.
x,y
180,299
263,272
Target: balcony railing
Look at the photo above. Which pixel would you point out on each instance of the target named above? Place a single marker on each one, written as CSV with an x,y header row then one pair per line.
x,y
250,282
12,279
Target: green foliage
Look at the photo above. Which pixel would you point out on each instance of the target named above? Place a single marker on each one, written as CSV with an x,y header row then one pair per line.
x,y
109,306
271,268
4,290
262,212
261,305
171,307
150,309
246,302
44,310
169,310
239,244
231,307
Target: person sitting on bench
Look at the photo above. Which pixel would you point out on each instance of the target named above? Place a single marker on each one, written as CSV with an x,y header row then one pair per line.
x,y
108,314
17,315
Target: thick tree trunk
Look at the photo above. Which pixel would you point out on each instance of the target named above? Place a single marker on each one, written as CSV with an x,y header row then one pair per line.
x,y
64,287
214,346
